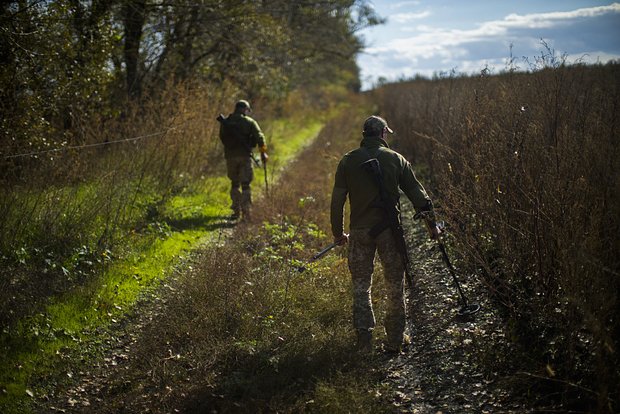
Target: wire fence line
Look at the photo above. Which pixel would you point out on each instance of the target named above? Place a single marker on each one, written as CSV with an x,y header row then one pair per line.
x,y
98,144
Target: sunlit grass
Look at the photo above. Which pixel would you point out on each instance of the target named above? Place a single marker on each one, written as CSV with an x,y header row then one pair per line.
x,y
183,222
286,141
266,337
68,321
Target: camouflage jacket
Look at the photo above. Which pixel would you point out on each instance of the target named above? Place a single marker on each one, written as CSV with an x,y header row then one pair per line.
x,y
240,134
358,184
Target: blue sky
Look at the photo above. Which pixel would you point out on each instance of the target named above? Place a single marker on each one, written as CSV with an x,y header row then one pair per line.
x,y
432,36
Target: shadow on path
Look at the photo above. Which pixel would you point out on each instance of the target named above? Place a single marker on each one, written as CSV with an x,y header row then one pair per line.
x,y
204,223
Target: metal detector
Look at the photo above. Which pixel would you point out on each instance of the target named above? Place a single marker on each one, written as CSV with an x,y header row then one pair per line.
x,y
466,308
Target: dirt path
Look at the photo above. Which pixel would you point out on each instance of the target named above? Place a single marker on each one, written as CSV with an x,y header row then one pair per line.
x,y
446,369
440,372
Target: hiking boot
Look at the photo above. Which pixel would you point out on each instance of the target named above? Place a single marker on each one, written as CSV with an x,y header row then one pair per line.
x,y
364,341
396,348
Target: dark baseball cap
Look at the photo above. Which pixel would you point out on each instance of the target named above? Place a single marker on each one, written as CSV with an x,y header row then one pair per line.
x,y
374,125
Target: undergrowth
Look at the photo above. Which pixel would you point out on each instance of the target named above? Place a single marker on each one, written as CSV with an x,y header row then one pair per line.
x,y
95,285
524,168
244,329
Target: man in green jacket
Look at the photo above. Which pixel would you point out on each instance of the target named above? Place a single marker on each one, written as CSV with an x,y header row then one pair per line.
x,y
366,216
240,134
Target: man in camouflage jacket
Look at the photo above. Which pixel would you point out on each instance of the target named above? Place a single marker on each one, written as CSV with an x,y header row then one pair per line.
x,y
353,181
240,134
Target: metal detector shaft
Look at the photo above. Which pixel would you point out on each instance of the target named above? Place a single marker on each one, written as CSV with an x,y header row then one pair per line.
x,y
263,159
446,259
317,256
322,252
467,308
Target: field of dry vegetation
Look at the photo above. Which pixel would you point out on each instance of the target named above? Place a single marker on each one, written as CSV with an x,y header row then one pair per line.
x,y
65,212
525,169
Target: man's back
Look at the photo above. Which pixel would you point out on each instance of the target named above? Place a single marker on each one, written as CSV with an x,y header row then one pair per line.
x,y
362,188
239,134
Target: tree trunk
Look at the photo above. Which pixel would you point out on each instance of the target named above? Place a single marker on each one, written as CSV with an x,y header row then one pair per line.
x,y
134,21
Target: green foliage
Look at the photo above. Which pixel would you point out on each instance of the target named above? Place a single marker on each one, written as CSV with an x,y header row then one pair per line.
x,y
93,286
70,64
53,73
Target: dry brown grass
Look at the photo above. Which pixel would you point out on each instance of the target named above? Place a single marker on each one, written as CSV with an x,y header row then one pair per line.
x,y
526,171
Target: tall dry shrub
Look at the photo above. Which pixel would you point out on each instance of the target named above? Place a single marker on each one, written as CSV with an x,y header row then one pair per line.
x,y
526,169
62,209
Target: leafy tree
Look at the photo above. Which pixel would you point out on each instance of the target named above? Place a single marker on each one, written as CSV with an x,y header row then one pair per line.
x,y
54,70
68,62
267,46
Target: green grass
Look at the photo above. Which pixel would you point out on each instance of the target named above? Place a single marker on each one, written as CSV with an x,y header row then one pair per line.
x,y
265,337
40,345
287,140
69,321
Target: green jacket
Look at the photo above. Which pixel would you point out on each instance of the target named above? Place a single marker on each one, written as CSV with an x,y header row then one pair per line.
x,y
240,134
358,184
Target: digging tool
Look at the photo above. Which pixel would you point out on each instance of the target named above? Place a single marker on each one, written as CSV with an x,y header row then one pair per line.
x,y
317,256
466,307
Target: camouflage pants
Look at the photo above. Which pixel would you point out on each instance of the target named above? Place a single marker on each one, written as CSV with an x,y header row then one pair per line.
x,y
240,173
362,250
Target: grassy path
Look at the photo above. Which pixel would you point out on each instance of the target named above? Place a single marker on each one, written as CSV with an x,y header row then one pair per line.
x,y
70,325
238,321
239,329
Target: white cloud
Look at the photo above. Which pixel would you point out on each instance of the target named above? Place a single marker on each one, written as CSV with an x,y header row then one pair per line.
x,y
569,15
436,42
404,4
407,17
434,49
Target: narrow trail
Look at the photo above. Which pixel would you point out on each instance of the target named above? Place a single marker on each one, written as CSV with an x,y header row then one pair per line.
x,y
444,370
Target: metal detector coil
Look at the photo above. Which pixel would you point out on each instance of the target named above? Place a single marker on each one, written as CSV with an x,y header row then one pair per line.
x,y
469,309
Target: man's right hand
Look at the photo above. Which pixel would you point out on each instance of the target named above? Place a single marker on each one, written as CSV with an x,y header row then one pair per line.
x,y
342,239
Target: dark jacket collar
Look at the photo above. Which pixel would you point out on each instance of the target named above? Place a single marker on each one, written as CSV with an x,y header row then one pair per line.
x,y
373,142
